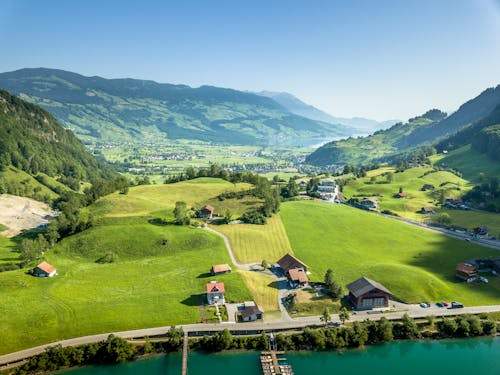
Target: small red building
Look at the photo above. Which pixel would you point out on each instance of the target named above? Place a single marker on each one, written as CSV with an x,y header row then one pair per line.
x,y
465,271
367,294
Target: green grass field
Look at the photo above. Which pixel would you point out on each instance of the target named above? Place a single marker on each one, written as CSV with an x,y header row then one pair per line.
x,y
254,243
415,264
8,253
469,162
147,199
263,290
475,218
24,184
411,180
157,278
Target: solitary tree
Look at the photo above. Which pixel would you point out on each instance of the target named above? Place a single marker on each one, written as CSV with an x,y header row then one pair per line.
x,y
326,317
333,288
344,315
181,213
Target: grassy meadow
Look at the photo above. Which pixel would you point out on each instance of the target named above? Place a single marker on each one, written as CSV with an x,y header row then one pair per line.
x,y
160,199
254,243
415,264
157,276
411,180
264,290
469,162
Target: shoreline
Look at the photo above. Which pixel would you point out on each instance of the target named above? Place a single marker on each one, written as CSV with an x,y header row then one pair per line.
x,y
320,338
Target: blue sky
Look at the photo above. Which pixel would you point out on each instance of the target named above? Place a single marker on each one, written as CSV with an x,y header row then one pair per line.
x,y
378,59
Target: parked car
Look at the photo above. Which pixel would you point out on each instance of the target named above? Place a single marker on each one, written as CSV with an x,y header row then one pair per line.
x,y
456,305
439,304
425,305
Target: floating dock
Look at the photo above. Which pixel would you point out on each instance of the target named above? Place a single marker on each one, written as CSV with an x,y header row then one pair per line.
x,y
274,364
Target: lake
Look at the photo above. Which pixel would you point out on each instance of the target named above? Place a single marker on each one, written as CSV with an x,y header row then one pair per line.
x,y
466,356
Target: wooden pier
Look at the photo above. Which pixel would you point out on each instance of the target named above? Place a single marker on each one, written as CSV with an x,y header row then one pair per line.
x,y
272,364
185,348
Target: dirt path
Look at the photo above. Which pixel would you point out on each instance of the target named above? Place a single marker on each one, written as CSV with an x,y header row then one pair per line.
x,y
21,213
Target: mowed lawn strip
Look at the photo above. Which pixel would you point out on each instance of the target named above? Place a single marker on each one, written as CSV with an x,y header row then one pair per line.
x,y
264,290
415,264
254,243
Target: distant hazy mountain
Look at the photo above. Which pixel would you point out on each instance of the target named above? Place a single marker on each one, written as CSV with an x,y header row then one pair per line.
x,y
99,109
298,107
428,129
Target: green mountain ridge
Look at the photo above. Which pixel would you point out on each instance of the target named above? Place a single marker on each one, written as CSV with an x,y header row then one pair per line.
x,y
99,109
33,142
425,130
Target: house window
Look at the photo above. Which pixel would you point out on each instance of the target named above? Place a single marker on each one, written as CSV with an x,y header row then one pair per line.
x,y
379,302
367,302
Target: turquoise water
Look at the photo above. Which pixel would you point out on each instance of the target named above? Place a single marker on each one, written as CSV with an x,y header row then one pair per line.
x,y
468,356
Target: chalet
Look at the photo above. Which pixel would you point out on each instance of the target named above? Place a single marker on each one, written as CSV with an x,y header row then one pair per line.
x,y
44,270
289,262
465,271
428,187
453,202
481,231
215,293
206,212
298,276
400,195
427,210
367,294
250,311
220,269
368,203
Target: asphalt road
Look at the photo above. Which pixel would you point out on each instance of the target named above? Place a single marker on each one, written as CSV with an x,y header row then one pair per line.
x,y
413,311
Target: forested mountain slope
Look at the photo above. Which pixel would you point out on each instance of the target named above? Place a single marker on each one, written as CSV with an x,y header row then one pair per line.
x,y
427,129
99,109
32,141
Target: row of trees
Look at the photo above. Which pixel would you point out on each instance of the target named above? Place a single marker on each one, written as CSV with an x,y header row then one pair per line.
x,y
355,335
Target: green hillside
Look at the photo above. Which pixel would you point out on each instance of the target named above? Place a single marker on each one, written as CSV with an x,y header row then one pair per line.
x,y
364,149
415,264
32,143
425,130
470,162
118,110
125,272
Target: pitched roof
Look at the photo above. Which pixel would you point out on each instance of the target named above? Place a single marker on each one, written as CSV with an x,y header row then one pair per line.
x,y
363,285
215,287
427,209
208,208
288,262
44,266
248,311
221,268
298,274
466,268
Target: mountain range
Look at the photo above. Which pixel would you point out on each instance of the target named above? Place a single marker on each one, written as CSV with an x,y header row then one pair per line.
x,y
117,110
426,130
298,107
